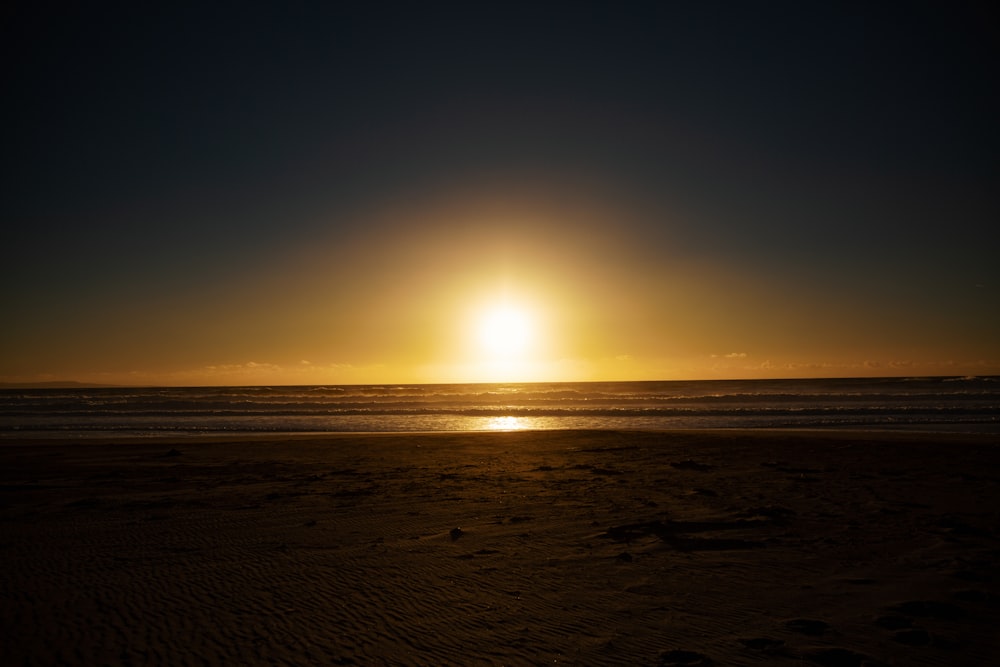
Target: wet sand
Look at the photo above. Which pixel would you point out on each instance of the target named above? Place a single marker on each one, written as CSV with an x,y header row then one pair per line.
x,y
523,548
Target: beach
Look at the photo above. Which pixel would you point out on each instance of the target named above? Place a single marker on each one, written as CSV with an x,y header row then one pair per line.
x,y
727,547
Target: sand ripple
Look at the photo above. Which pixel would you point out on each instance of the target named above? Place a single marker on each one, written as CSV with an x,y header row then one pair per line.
x,y
583,548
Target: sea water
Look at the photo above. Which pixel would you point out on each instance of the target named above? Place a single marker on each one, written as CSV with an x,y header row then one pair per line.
x,y
970,404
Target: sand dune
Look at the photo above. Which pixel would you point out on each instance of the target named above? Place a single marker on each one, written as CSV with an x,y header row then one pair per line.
x,y
590,548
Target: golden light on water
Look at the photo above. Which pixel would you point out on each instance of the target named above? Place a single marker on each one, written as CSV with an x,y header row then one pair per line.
x,y
506,423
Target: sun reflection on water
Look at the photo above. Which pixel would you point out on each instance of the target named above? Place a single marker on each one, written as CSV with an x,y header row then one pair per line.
x,y
506,423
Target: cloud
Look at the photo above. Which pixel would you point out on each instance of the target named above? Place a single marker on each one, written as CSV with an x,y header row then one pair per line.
x,y
875,364
810,365
249,367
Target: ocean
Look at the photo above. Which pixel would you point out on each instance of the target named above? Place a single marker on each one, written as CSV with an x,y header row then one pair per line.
x,y
946,404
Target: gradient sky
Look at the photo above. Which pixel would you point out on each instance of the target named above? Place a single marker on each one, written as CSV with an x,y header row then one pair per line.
x,y
299,193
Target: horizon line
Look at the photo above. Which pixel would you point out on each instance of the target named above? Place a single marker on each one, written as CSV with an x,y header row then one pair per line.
x,y
74,384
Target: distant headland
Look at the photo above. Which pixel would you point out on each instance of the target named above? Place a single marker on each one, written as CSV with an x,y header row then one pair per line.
x,y
54,384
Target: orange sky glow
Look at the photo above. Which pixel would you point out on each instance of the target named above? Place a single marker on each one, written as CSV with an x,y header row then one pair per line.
x,y
407,299
343,194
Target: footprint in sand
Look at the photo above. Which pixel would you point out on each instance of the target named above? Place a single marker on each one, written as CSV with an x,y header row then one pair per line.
x,y
911,635
929,609
839,657
807,626
764,644
893,622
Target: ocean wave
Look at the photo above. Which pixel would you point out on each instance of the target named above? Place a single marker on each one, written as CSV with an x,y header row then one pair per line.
x,y
719,403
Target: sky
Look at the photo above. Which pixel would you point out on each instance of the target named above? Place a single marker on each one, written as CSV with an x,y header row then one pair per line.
x,y
318,193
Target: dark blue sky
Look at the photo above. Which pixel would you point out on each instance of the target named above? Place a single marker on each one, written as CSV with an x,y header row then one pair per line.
x,y
850,150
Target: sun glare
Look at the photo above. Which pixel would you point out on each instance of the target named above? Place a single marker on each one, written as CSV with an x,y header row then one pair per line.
x,y
506,338
506,423
505,331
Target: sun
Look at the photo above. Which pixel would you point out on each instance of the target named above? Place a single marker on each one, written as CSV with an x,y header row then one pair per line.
x,y
505,331
505,337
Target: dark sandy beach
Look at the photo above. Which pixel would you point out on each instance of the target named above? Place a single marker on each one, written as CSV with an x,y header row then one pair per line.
x,y
523,548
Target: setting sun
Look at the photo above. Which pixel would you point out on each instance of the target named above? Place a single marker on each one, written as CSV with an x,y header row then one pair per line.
x,y
505,331
506,337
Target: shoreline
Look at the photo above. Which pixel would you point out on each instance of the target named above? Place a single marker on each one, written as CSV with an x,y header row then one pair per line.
x,y
738,547
988,431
